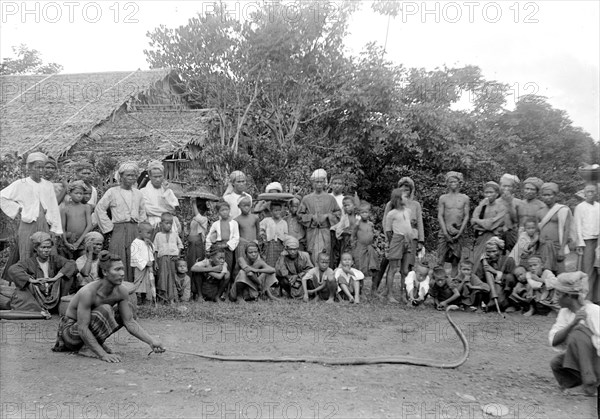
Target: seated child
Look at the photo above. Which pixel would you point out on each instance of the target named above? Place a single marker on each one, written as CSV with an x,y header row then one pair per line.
x,y
167,246
348,279
143,263
472,289
214,277
521,295
320,281
363,235
254,278
526,244
182,281
273,231
442,291
542,282
417,285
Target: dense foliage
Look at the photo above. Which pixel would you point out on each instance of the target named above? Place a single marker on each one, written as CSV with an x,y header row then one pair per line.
x,y
27,61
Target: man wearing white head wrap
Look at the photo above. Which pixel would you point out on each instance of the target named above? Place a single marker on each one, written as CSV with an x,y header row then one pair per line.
x,y
235,189
318,212
577,333
41,280
35,199
127,209
159,198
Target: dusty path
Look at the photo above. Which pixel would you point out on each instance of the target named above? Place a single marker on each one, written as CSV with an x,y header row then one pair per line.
x,y
508,366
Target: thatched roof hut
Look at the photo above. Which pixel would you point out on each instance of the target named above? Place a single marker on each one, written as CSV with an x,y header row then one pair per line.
x,y
137,115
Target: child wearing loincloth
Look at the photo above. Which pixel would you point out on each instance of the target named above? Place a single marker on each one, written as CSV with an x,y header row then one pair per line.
x,y
76,218
254,278
363,235
214,277
320,281
349,279
167,246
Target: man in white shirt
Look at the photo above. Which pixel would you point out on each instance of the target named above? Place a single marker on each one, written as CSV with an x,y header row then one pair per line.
x,y
577,333
586,222
159,199
35,199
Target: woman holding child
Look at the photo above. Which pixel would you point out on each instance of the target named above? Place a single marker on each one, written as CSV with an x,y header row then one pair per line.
x,y
127,209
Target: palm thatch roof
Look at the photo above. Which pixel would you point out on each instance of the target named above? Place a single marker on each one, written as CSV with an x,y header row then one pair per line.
x,y
54,113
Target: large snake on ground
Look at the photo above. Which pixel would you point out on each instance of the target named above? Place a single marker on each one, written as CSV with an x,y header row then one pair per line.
x,y
406,360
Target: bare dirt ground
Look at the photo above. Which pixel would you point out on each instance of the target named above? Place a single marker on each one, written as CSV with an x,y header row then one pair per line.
x,y
508,366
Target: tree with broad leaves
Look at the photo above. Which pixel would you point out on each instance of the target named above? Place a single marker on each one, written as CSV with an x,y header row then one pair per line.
x,y
27,61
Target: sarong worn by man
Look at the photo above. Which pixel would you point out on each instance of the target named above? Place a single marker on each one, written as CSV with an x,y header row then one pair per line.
x,y
319,211
488,220
555,229
576,333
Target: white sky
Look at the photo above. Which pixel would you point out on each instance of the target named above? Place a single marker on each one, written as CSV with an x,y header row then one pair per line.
x,y
546,47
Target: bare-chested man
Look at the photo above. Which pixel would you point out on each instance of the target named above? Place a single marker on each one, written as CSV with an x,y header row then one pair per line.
x,y
97,311
530,205
453,216
555,227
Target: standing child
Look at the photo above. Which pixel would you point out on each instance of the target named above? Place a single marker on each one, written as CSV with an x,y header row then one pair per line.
x,y
224,234
76,220
143,263
348,279
294,222
343,230
363,235
273,231
398,230
443,291
197,237
182,281
249,228
472,289
320,281
417,285
167,245
527,243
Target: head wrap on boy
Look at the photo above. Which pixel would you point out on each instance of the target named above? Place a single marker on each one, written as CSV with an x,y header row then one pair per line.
x,y
155,165
244,198
406,181
495,242
274,186
550,186
77,184
535,181
291,242
493,185
91,237
572,283
39,238
37,156
508,179
319,174
457,175
234,176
